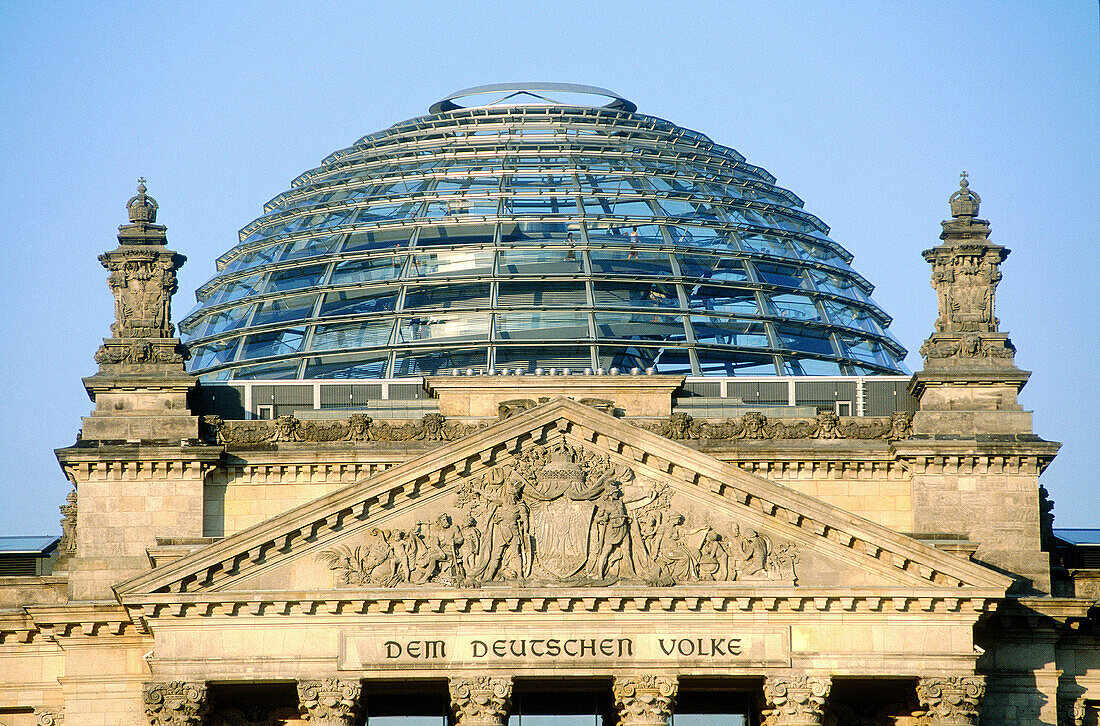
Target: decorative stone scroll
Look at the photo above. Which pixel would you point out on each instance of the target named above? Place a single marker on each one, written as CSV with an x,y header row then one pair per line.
x,y
795,700
49,716
644,700
480,700
175,703
357,428
561,515
951,700
755,425
329,701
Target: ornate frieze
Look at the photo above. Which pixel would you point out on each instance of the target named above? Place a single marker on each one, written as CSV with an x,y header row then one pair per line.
x,y
509,408
357,428
175,703
561,515
644,700
329,701
480,700
951,700
755,425
49,716
797,700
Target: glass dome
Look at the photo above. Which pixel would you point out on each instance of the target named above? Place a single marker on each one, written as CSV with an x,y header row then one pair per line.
x,y
530,230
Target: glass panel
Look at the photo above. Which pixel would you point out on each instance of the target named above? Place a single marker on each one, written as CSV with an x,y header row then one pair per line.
x,y
766,243
626,358
539,262
352,335
728,363
867,350
711,708
376,239
236,290
779,274
212,354
727,331
837,285
406,709
722,299
310,247
220,322
441,361
469,234
541,294
278,370
452,263
360,365
540,205
812,367
547,356
557,708
375,268
255,258
713,267
625,235
538,231
852,317
295,278
673,360
359,302
805,339
548,325
462,204
796,307
470,295
634,294
630,262
289,308
686,208
437,328
640,326
618,206
275,342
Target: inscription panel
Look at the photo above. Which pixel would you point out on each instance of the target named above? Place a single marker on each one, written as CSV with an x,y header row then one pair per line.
x,y
553,649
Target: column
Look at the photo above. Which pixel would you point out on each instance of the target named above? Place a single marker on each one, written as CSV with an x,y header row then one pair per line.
x,y
329,701
795,700
951,700
175,703
480,700
644,700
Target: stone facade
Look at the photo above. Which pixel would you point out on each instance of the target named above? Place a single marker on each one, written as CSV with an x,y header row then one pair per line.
x,y
540,533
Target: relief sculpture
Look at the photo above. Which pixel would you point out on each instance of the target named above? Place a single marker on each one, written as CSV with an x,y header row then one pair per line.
x,y
561,515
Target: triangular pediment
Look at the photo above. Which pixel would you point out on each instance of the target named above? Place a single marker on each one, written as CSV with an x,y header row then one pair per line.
x,y
561,496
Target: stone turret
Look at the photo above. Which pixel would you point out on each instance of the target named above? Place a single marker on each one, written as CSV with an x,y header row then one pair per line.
x,y
970,379
140,390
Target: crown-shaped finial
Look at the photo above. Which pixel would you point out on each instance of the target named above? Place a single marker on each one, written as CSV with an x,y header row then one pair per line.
x,y
142,208
964,203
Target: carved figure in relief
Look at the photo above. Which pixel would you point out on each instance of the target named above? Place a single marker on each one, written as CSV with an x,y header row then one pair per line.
x,y
470,548
713,558
673,554
612,527
755,425
827,425
509,535
753,555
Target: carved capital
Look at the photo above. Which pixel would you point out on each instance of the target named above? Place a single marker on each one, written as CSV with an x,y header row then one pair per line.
x,y
795,700
175,703
329,701
480,700
644,700
951,700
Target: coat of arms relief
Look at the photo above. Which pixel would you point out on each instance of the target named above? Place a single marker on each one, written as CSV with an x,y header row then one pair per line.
x,y
564,516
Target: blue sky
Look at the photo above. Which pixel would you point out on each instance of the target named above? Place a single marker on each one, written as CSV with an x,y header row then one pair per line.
x,y
866,110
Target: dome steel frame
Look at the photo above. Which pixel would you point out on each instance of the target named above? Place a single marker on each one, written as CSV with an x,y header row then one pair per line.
x,y
517,237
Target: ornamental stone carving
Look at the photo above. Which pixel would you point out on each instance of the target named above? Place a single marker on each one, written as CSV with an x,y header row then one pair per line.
x,y
329,701
754,425
49,716
175,703
644,700
795,700
560,515
965,273
951,700
480,700
357,428
67,546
